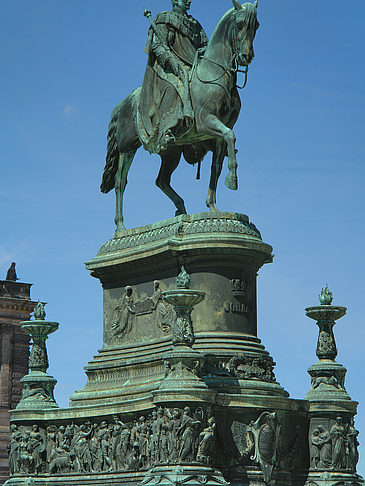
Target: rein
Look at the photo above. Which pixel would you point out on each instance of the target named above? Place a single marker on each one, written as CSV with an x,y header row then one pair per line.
x,y
232,67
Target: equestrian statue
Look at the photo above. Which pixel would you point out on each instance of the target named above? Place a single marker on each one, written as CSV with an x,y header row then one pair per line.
x,y
188,102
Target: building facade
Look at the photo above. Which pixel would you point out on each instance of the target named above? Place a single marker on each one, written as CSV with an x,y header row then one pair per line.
x,y
15,306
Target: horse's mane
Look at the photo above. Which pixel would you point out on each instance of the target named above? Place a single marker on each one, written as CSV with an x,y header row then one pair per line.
x,y
253,23
222,20
251,12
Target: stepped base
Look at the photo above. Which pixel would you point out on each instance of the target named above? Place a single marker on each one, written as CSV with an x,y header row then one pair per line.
x,y
331,478
156,411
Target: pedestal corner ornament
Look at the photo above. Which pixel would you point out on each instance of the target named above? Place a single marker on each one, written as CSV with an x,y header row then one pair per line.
x,y
332,433
38,385
183,381
328,376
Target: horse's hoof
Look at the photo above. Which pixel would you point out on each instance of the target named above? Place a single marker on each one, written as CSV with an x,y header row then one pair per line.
x,y
119,231
179,211
212,208
231,182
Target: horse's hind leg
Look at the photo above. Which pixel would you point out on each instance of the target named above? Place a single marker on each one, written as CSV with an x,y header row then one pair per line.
x,y
169,161
217,162
121,180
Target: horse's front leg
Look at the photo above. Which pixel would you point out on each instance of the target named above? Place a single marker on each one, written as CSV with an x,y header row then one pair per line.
x,y
217,162
169,161
215,127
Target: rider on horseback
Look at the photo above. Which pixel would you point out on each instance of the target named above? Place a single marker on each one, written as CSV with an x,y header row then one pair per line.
x,y
165,109
187,106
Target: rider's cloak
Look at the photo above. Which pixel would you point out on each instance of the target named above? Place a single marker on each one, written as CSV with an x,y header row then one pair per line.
x,y
165,111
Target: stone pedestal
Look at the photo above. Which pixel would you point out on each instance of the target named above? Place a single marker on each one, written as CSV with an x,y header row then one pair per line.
x,y
222,254
15,306
182,389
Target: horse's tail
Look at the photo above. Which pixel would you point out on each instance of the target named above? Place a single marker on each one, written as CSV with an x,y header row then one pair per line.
x,y
112,154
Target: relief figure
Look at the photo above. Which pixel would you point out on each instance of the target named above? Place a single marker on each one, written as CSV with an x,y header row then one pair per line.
x,y
82,449
187,432
338,437
315,448
207,442
14,448
165,313
35,444
352,444
326,447
163,437
123,316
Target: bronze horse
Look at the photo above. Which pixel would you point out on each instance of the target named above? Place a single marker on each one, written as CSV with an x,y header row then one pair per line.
x,y
216,103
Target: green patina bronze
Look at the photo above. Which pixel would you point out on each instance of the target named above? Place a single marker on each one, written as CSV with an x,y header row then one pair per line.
x,y
332,434
182,391
326,296
188,102
328,376
38,385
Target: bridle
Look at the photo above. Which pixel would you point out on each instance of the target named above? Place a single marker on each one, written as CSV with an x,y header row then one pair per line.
x,y
233,65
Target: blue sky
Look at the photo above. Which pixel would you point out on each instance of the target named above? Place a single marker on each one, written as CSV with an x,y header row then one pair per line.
x,y
65,65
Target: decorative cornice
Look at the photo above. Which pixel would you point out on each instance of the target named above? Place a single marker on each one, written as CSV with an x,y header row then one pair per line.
x,y
17,304
15,289
180,227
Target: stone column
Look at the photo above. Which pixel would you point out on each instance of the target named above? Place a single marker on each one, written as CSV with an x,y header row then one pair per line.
x,y
38,385
332,433
15,306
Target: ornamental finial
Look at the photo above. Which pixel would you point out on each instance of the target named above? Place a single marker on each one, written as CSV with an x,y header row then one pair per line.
x,y
39,313
326,296
183,279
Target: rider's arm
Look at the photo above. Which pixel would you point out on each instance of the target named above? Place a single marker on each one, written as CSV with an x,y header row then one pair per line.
x,y
163,55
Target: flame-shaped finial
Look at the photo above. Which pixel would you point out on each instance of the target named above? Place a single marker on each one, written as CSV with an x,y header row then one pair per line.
x,y
326,296
183,279
39,313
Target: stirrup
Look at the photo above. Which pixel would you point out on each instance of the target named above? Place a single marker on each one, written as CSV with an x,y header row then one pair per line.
x,y
167,140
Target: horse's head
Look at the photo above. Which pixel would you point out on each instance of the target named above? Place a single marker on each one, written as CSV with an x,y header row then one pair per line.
x,y
244,31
